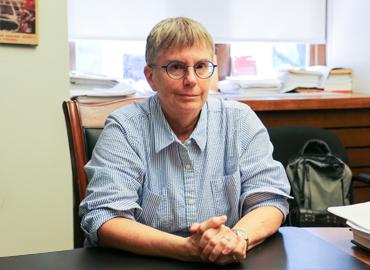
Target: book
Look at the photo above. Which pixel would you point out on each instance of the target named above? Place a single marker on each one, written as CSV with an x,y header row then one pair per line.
x,y
297,78
316,78
335,71
358,219
339,80
361,237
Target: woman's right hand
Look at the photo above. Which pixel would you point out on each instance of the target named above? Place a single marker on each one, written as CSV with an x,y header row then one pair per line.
x,y
214,242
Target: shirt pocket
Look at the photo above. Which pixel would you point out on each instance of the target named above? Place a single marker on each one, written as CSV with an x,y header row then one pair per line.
x,y
226,195
154,208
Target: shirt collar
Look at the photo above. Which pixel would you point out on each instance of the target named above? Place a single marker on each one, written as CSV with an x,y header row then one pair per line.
x,y
163,134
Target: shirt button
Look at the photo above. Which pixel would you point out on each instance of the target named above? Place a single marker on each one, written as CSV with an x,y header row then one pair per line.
x,y
187,142
188,166
191,202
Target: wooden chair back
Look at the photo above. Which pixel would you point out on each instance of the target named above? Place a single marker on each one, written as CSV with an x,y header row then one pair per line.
x,y
85,122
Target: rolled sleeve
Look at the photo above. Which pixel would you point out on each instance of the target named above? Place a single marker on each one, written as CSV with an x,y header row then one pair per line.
x,y
115,174
265,199
93,220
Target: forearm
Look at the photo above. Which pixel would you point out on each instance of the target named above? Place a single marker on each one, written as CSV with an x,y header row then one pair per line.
x,y
129,235
260,223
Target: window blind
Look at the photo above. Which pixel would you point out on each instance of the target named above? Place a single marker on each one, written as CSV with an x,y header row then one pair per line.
x,y
227,20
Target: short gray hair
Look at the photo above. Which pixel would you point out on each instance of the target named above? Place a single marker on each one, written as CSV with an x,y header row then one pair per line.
x,y
177,32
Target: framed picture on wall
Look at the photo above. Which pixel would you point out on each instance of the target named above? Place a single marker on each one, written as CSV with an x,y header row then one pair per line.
x,y
18,22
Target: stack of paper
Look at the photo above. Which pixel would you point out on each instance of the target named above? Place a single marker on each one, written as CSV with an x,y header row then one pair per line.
x,y
358,218
83,81
248,84
120,89
98,88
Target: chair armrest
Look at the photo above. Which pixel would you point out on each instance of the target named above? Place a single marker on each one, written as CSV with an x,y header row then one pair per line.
x,y
362,177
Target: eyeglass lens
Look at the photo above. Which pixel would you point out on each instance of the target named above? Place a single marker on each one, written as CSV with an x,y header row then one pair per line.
x,y
177,70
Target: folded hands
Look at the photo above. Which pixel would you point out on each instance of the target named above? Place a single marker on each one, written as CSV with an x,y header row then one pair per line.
x,y
212,241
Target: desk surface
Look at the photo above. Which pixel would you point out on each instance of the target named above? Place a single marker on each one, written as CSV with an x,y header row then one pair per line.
x,y
307,102
341,238
291,248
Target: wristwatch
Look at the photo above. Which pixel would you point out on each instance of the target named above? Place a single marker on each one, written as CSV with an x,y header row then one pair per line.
x,y
242,234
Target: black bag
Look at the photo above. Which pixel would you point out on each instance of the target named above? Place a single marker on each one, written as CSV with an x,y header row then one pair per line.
x,y
318,180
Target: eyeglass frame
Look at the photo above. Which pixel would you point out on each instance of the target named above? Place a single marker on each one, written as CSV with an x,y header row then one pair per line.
x,y
185,69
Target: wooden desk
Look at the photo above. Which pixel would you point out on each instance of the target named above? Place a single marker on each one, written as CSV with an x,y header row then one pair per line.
x,y
291,248
347,115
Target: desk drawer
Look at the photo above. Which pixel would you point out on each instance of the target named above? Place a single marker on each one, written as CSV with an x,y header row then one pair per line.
x,y
360,193
354,137
359,157
317,118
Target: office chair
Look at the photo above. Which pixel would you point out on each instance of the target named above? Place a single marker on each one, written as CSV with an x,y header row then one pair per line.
x,y
288,141
84,122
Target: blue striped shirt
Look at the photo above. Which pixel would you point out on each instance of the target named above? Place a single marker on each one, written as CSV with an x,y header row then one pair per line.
x,y
140,169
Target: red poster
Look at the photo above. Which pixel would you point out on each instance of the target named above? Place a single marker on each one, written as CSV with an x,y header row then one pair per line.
x,y
18,22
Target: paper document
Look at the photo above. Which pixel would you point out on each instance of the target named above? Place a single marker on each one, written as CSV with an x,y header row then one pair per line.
x,y
354,226
92,80
120,89
357,214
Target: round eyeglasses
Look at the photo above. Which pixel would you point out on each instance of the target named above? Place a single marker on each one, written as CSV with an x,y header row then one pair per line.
x,y
176,70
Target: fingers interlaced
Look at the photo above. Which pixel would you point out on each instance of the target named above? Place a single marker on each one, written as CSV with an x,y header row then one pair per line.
x,y
212,223
218,243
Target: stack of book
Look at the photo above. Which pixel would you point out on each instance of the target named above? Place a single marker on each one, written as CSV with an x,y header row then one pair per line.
x,y
317,79
339,80
357,216
299,79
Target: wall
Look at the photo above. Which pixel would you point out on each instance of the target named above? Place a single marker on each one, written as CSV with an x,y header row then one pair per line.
x,y
35,177
348,39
